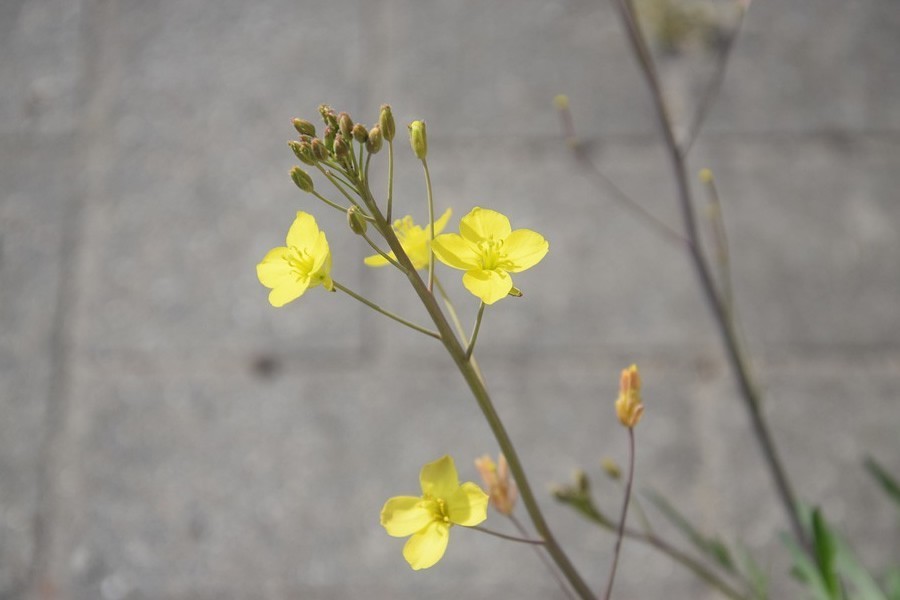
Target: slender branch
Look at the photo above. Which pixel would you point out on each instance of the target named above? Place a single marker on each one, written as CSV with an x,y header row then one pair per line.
x,y
431,226
621,533
511,538
475,331
460,331
390,195
334,181
603,181
713,88
543,558
332,204
386,313
720,238
383,254
749,391
482,397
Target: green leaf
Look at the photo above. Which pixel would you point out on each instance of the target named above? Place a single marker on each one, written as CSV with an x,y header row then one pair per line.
x,y
825,550
888,483
755,577
806,571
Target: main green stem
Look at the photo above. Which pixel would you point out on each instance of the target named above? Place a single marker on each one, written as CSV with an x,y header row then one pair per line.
x,y
746,385
475,383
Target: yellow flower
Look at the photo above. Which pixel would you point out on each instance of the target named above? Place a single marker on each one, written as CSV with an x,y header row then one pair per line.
x,y
444,502
303,263
488,251
495,476
628,405
414,240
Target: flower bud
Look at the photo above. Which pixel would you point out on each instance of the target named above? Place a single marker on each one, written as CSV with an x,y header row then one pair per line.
x,y
320,152
346,125
304,127
628,406
502,491
329,138
373,144
303,151
341,148
386,122
328,116
611,468
360,134
302,179
418,139
356,221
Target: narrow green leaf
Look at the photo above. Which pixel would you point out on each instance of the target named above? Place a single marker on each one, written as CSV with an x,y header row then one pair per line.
x,y
824,546
888,483
714,548
806,571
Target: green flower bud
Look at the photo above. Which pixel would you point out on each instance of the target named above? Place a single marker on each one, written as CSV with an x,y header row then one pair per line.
x,y
418,140
303,151
329,138
320,152
373,144
302,179
360,134
341,148
356,221
346,125
328,116
304,127
386,122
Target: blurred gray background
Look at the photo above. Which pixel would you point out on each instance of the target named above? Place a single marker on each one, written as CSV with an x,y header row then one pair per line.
x,y
166,434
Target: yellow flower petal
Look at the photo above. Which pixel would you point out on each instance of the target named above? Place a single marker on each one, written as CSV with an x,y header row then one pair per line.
x,y
467,505
439,478
484,224
283,294
442,221
320,252
303,232
427,546
490,286
524,248
452,250
274,269
377,260
405,515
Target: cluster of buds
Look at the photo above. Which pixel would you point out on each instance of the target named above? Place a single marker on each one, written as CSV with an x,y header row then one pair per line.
x,y
336,146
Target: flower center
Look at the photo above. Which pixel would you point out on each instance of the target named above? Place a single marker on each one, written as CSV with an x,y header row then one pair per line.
x,y
300,261
438,509
491,251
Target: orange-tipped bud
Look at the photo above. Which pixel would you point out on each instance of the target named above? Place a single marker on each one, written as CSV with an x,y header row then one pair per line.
x,y
628,405
496,479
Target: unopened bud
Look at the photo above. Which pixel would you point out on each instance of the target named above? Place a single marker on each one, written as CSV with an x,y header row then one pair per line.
x,y
582,482
515,292
418,140
360,134
329,138
302,179
328,116
320,152
386,121
303,151
304,127
373,144
356,221
346,125
495,476
561,102
611,469
341,148
628,405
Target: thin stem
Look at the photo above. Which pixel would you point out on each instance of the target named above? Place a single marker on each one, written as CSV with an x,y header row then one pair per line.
x,y
366,169
720,238
749,391
383,254
461,332
602,180
431,227
712,89
475,331
482,397
334,181
621,533
329,202
386,313
390,195
511,538
543,558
